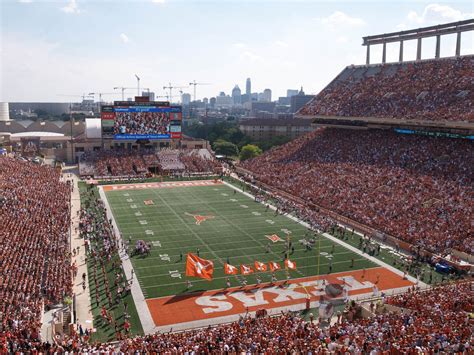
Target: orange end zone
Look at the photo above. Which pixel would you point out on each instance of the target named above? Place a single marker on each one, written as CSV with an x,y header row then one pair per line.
x,y
160,185
218,303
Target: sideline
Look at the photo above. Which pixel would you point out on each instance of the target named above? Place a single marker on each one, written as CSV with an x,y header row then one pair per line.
x,y
144,311
342,243
148,325
83,305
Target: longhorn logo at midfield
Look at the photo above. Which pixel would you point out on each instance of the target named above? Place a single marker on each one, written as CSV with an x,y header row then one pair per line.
x,y
198,218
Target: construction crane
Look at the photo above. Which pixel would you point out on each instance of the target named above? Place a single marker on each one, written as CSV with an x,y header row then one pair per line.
x,y
171,87
138,84
83,96
196,84
123,90
167,97
99,107
102,93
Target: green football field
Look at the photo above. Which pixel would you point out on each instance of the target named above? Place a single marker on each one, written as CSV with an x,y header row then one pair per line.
x,y
236,232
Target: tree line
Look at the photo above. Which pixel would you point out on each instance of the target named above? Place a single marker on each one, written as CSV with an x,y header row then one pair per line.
x,y
227,139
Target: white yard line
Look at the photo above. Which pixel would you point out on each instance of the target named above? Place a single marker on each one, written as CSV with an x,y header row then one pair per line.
x,y
147,322
261,273
177,255
144,314
340,242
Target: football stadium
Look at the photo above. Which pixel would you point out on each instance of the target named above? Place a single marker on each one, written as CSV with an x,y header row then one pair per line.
x,y
354,238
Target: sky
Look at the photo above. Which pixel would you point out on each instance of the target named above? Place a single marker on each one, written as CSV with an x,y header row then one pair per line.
x,y
56,51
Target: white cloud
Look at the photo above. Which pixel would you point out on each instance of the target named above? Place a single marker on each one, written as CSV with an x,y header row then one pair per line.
x,y
124,38
339,18
158,1
342,39
281,44
34,69
435,13
25,1
239,45
250,56
71,8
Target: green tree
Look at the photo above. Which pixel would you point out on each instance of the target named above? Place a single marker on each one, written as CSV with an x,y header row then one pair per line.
x,y
250,151
222,147
274,141
233,134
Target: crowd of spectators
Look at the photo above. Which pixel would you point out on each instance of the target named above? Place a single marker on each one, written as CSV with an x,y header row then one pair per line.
x,y
288,205
169,160
195,162
119,162
435,90
141,123
102,252
442,325
35,260
138,163
415,188
36,270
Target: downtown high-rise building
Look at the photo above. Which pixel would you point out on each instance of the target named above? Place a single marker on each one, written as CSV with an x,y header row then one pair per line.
x,y
248,87
150,94
185,99
267,95
291,92
236,95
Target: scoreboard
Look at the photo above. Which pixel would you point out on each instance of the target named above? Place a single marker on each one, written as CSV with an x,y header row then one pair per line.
x,y
127,120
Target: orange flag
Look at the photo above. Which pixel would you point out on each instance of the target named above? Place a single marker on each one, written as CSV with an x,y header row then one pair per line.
x,y
230,269
290,264
260,266
197,267
245,270
274,266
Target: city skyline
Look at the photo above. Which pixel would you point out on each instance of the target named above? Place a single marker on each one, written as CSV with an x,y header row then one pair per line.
x,y
74,47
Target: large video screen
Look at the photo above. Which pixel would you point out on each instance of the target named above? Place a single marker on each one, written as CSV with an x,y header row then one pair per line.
x,y
141,120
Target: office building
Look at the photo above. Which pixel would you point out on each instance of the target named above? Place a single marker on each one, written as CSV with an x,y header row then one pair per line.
x,y
150,94
185,99
284,101
224,100
262,106
291,92
212,102
267,128
298,101
236,95
267,95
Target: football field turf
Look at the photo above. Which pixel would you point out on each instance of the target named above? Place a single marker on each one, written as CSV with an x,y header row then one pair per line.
x,y
235,229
